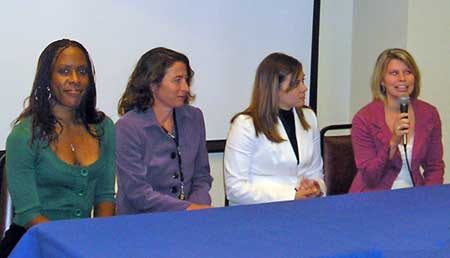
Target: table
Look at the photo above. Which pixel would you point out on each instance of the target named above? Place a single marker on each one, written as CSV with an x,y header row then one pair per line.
x,y
402,223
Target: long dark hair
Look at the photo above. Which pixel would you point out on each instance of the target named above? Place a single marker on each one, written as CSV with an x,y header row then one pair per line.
x,y
150,70
264,106
39,104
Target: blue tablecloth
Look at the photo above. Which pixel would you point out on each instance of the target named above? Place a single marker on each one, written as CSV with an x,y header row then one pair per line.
x,y
403,223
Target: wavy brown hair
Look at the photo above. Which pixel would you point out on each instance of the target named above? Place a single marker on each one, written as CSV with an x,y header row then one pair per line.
x,y
150,70
264,103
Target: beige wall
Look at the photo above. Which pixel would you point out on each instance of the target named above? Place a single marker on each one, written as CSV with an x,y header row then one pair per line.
x,y
217,189
335,57
377,25
429,41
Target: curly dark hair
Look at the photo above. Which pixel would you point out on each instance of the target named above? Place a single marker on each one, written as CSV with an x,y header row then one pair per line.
x,y
150,70
38,105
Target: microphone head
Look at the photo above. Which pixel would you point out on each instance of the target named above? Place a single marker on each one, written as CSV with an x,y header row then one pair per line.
x,y
404,102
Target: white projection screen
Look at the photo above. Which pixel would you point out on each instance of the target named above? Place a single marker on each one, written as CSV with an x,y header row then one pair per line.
x,y
224,39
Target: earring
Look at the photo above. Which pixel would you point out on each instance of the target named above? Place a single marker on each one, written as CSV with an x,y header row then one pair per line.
x,y
49,92
382,89
36,92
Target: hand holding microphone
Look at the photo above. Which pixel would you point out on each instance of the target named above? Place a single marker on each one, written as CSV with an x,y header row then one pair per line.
x,y
401,126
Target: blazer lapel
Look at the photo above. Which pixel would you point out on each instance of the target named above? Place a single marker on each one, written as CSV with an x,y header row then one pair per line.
x,y
378,122
421,129
301,136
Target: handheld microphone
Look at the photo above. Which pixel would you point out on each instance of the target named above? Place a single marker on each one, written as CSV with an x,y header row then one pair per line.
x,y
404,102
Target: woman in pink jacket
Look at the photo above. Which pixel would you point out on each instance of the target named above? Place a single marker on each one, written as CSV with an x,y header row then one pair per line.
x,y
396,147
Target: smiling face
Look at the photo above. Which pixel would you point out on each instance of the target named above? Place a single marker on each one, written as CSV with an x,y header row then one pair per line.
x,y
398,80
173,89
295,96
69,79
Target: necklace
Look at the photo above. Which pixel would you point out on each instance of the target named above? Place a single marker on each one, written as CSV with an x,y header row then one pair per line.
x,y
170,134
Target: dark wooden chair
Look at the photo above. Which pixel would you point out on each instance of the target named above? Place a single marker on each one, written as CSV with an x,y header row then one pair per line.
x,y
338,159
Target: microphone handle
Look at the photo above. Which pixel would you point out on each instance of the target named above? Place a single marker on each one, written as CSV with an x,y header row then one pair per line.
x,y
404,109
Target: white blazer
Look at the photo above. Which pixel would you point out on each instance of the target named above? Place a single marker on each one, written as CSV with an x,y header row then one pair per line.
x,y
258,170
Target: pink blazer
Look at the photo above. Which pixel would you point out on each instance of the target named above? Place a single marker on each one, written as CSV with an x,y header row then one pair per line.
x,y
370,139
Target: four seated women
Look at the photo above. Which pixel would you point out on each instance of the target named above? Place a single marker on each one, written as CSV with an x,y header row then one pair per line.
x,y
62,152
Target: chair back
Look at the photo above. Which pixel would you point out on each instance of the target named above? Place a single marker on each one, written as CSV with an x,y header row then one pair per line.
x,y
338,159
6,210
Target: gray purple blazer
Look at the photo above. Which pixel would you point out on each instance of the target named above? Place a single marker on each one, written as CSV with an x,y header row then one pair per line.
x,y
149,178
370,139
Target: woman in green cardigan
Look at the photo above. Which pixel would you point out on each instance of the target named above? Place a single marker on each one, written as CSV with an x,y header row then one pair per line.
x,y
60,153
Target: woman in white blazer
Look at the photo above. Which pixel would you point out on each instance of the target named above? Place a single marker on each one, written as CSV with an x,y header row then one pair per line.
x,y
273,148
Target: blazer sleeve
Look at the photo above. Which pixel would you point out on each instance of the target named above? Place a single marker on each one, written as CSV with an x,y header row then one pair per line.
x,y
21,173
371,152
201,180
314,168
434,165
132,173
239,149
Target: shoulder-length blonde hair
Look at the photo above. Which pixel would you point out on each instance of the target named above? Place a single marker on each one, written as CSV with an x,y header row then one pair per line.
x,y
378,90
264,103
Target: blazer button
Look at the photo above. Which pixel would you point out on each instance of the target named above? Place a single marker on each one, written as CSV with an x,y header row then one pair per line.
x,y
174,189
173,155
175,176
77,213
83,172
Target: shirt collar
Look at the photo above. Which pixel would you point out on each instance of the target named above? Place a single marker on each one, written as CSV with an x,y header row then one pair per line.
x,y
148,118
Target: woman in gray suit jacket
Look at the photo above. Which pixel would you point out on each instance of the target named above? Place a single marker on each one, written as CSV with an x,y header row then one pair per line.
x,y
273,149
